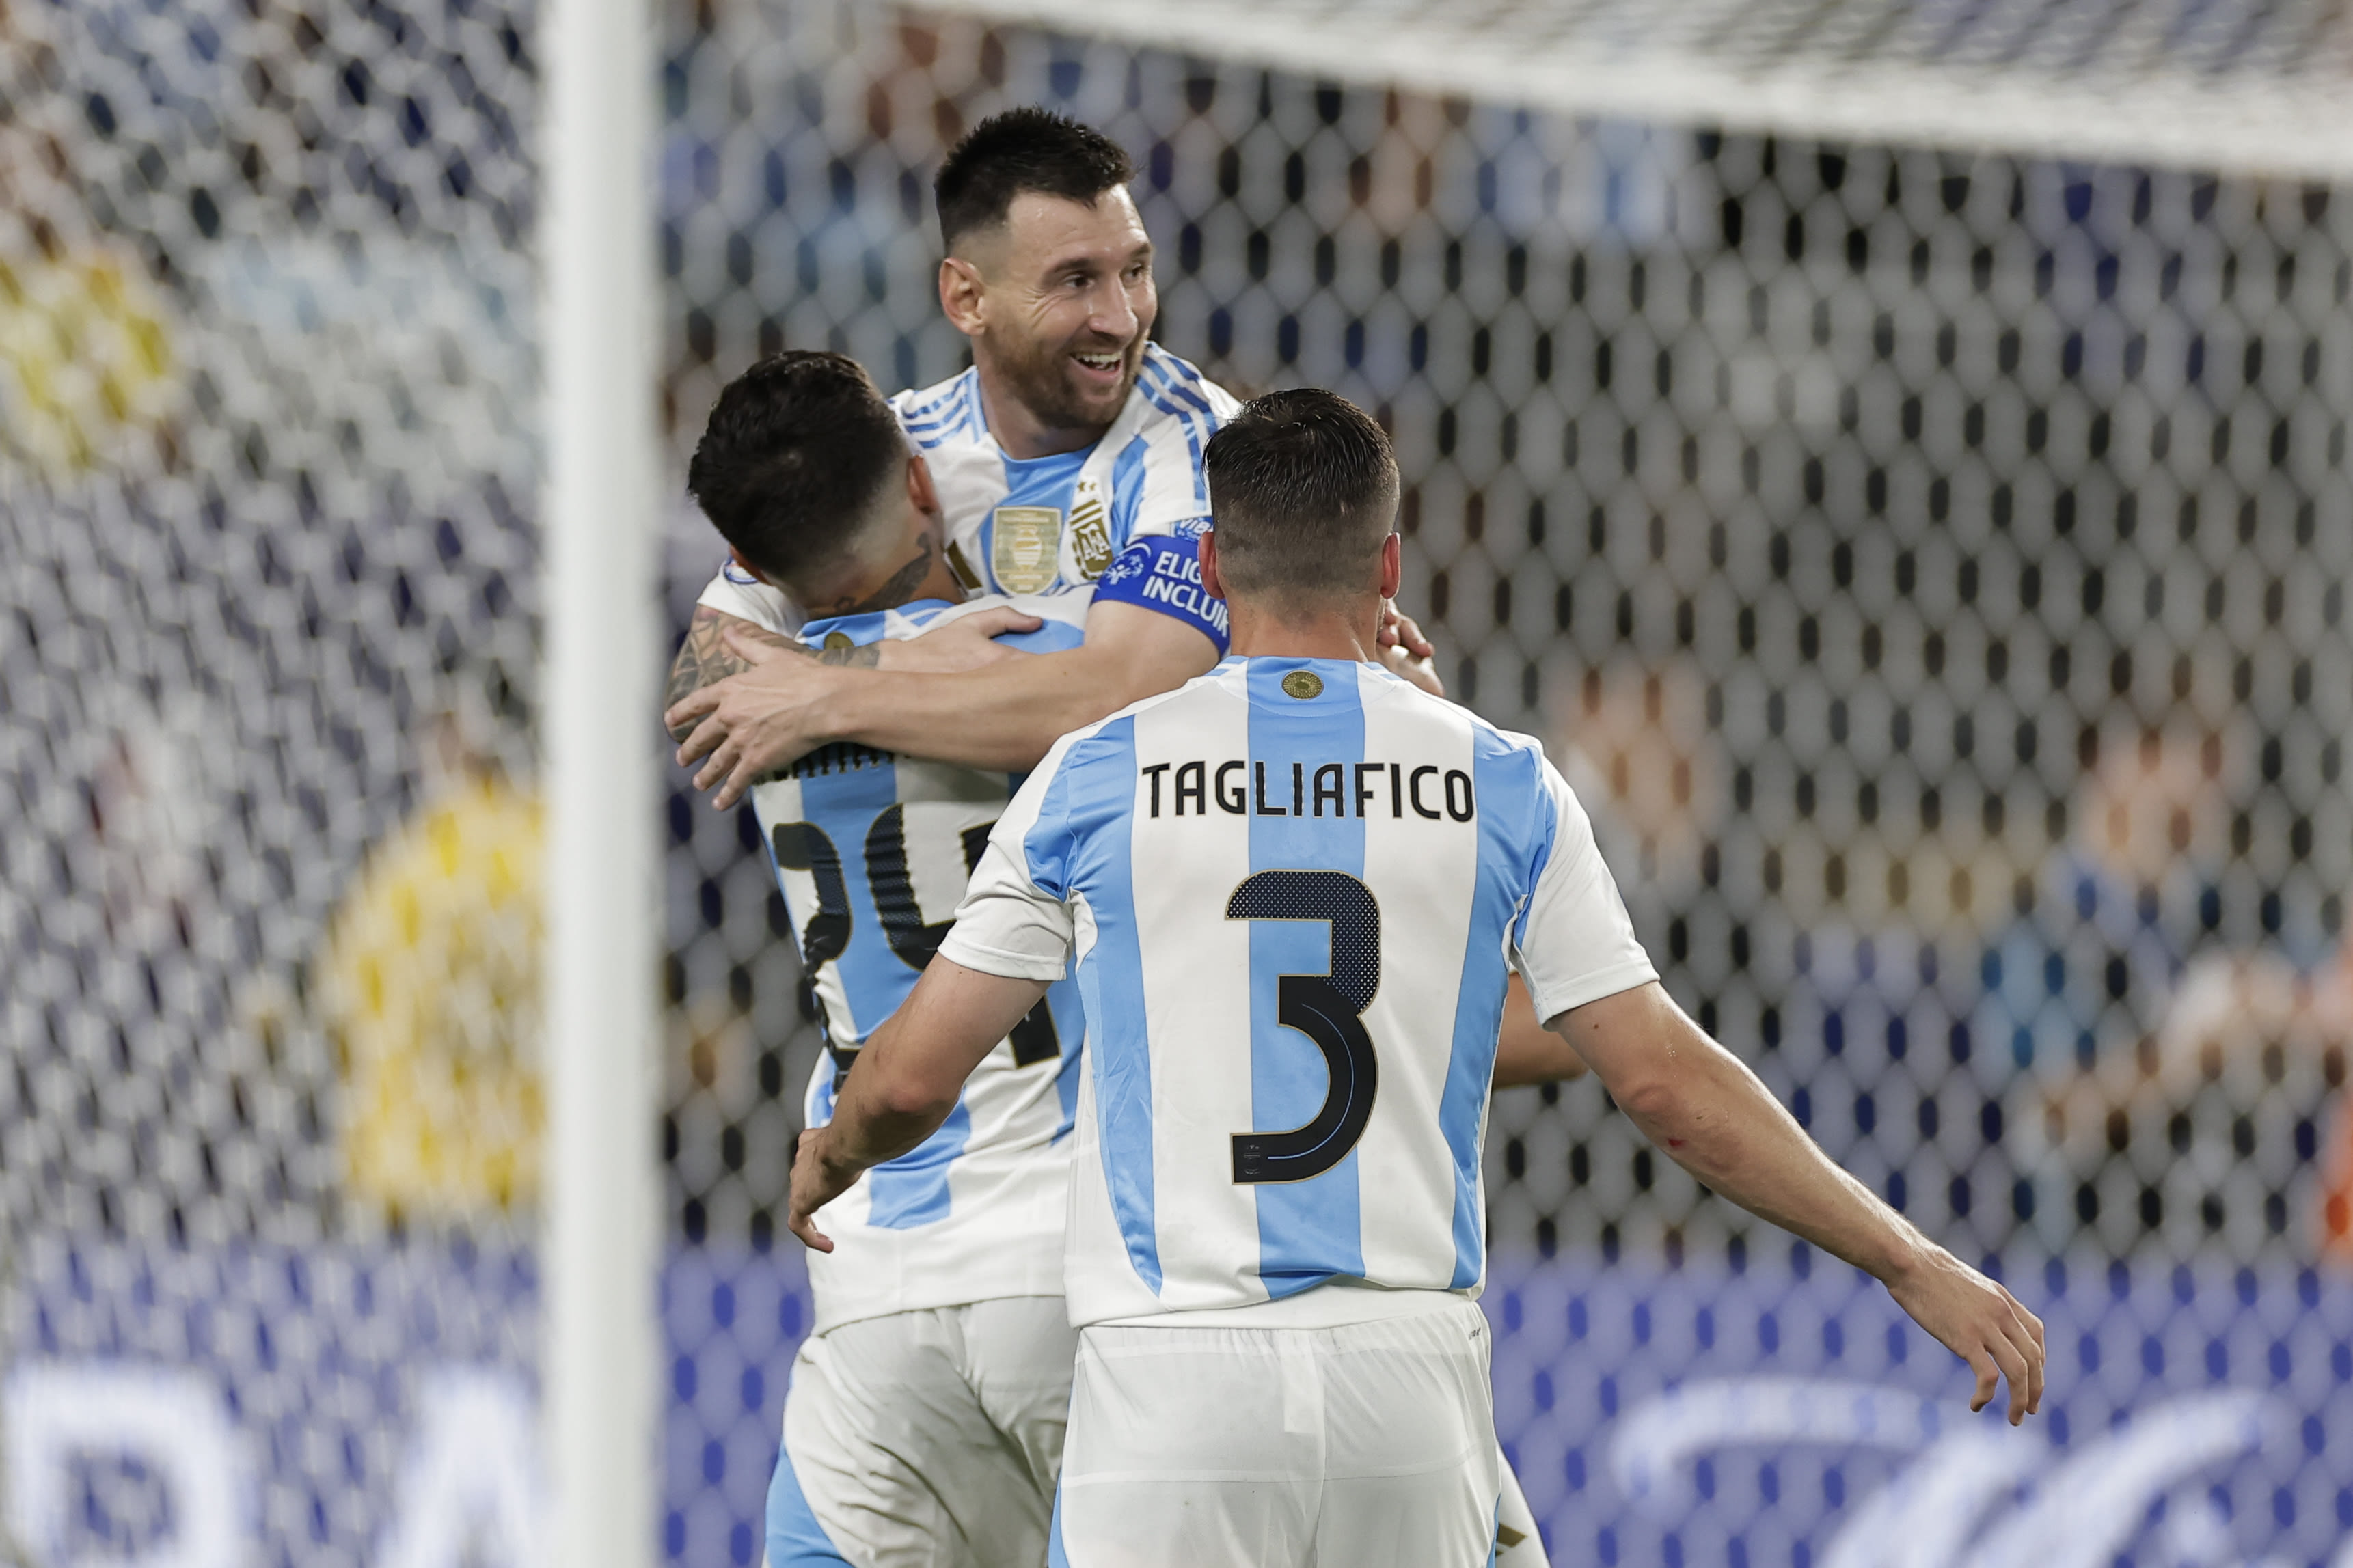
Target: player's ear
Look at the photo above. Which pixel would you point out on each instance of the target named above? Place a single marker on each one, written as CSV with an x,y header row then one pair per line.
x,y
922,493
962,293
1392,565
1211,584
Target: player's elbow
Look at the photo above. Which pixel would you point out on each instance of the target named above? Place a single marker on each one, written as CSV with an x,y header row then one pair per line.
x,y
1652,1099
909,1099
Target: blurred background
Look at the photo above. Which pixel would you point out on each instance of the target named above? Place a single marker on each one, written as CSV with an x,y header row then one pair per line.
x,y
1919,529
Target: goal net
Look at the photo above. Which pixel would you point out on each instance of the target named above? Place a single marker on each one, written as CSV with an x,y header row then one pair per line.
x,y
1894,456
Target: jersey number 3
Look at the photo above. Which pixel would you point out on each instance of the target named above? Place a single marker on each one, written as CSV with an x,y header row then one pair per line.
x,y
1325,1008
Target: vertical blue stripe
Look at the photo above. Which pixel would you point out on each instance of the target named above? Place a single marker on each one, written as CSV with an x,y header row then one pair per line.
x,y
1127,481
1091,802
1069,1009
913,1189
1515,822
1308,1231
1057,1555
795,1540
843,804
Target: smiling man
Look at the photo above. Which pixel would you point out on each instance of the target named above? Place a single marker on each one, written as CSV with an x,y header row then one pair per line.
x,y
1069,454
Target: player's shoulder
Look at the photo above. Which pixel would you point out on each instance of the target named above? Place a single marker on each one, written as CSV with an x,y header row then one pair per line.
x,y
895,625
1110,742
1062,612
947,411
1177,391
1394,703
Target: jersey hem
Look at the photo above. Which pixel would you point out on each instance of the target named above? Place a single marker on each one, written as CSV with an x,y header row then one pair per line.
x,y
1556,1000
996,961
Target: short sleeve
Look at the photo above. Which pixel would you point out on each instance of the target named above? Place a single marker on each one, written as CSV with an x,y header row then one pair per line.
x,y
1575,942
735,592
1014,920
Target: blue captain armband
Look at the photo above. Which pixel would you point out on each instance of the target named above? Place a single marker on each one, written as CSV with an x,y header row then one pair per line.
x,y
1163,572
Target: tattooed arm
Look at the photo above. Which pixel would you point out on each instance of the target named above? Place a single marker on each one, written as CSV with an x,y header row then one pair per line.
x,y
704,657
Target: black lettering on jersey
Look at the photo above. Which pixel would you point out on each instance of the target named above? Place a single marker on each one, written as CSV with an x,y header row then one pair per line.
x,y
1236,799
1397,796
1458,812
1258,771
894,891
1189,787
1035,1039
1413,790
1328,1009
1339,807
1154,772
804,846
1363,793
841,757
1298,790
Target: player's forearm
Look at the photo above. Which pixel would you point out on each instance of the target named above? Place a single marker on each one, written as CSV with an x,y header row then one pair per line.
x,y
907,1079
704,657
1005,717
1717,1121
1701,1105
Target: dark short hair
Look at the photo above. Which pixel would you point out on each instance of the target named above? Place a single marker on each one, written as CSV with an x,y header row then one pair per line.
x,y
796,452
1022,150
1302,489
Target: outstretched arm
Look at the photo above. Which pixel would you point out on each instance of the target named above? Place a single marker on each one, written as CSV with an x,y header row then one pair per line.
x,y
1004,717
1694,1100
905,1081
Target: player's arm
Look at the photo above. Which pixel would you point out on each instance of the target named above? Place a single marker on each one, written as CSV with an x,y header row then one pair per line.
x,y
714,637
1002,718
1527,1052
905,1081
1698,1102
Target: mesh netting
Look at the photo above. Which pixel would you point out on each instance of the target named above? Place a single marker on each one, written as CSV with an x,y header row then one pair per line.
x,y
269,915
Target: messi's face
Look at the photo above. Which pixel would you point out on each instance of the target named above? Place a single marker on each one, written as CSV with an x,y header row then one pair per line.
x,y
1068,302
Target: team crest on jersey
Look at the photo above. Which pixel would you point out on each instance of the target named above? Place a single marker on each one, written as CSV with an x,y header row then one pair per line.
x,y
1090,528
1026,556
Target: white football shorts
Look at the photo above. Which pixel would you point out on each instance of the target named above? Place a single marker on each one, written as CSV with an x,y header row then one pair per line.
x,y
924,1439
1371,1445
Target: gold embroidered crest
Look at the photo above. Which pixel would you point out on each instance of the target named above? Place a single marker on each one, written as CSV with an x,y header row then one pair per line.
x,y
1027,547
1303,684
1090,528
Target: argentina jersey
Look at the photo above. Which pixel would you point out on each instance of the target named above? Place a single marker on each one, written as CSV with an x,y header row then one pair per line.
x,y
1294,889
1123,514
872,852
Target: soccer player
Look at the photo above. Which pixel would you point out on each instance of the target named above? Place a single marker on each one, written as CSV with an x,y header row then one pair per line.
x,y
1291,890
925,1418
1069,454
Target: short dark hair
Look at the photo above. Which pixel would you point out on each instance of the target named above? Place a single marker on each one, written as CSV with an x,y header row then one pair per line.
x,y
796,453
1030,149
1302,489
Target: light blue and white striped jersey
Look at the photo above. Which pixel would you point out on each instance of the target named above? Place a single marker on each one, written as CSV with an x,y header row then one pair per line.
x,y
1137,498
1294,889
872,851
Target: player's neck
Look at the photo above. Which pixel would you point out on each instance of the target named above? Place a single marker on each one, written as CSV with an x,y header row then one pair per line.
x,y
1022,434
1345,631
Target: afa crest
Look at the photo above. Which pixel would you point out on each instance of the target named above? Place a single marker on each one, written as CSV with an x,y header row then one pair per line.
x,y
1026,555
1090,528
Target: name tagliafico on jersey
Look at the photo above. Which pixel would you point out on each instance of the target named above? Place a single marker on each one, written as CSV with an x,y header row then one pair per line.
x,y
1240,788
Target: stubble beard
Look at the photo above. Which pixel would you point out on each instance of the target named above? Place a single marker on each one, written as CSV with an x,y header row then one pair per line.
x,y
1038,380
